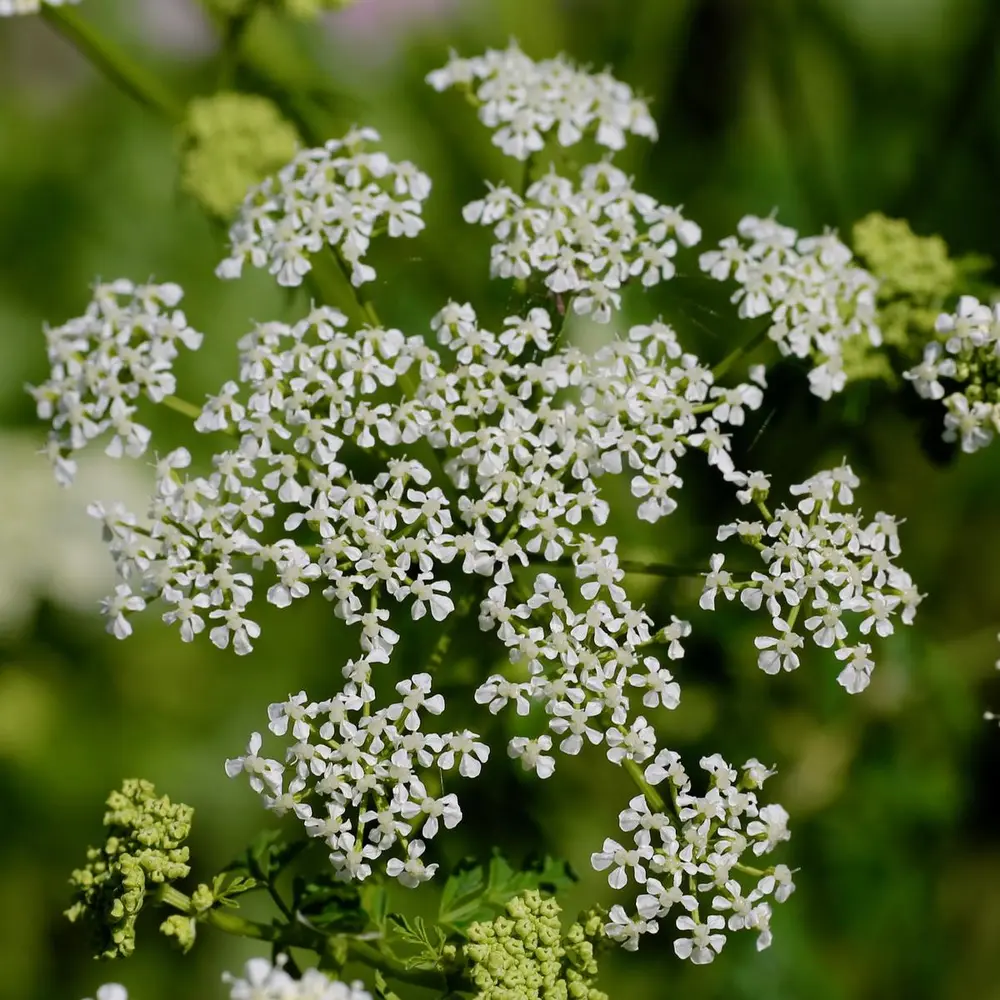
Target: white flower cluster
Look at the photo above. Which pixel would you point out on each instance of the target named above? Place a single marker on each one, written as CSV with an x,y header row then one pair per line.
x,y
686,859
967,355
815,296
488,453
11,8
822,562
266,980
340,195
584,242
523,102
582,665
358,778
519,458
122,347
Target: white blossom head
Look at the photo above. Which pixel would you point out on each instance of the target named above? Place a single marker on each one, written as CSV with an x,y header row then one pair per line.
x,y
120,350
824,566
339,196
965,357
582,243
525,103
815,296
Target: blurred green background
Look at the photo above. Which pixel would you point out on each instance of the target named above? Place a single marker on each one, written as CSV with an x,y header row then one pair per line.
x,y
826,109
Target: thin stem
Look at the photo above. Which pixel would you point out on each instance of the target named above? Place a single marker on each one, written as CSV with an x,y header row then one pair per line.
x,y
301,936
640,568
653,797
730,359
117,66
182,406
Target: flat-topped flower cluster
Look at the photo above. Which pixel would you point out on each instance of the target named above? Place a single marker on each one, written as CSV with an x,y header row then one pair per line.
x,y
494,444
822,563
814,295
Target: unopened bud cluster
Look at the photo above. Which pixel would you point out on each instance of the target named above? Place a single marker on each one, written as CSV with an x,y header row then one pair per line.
x,y
525,953
145,845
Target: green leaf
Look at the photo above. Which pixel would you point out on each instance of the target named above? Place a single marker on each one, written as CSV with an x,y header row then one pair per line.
x,y
470,895
225,891
267,855
329,905
413,931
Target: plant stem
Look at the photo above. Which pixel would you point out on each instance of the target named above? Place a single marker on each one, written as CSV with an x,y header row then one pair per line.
x,y
301,936
730,359
653,797
182,406
130,77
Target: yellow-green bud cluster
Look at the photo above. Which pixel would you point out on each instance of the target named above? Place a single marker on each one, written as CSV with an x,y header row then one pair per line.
x,y
145,843
231,142
524,954
916,276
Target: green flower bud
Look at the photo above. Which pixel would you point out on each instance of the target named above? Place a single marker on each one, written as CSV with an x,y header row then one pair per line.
x,y
230,143
144,844
182,929
524,955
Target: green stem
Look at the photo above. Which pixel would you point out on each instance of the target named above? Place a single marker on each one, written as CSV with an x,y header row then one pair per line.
x,y
301,936
128,76
653,797
730,359
182,406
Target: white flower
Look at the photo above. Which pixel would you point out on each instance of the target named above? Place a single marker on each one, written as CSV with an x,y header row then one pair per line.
x,y
625,929
109,991
705,941
816,297
533,754
623,859
332,196
524,102
413,871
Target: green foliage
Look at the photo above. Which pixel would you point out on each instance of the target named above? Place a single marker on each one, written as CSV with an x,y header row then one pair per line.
x,y
267,856
433,949
474,894
328,905
145,843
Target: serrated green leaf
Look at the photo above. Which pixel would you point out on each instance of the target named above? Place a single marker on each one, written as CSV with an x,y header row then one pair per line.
x,y
225,891
268,854
329,905
462,890
466,899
